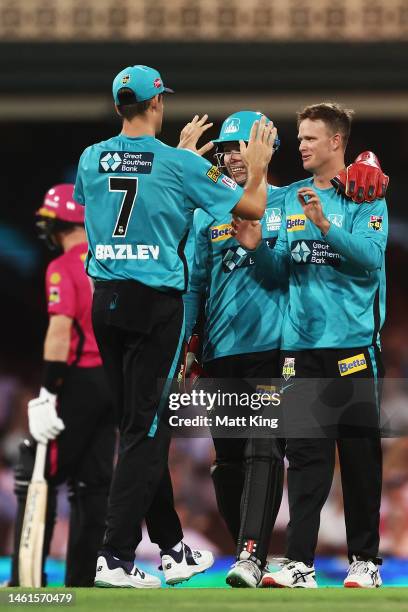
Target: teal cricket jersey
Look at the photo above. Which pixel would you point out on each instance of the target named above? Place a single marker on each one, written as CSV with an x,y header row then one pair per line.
x,y
139,197
244,305
337,281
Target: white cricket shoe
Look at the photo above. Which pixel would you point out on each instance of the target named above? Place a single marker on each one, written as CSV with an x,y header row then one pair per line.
x,y
111,574
362,575
180,566
244,574
293,575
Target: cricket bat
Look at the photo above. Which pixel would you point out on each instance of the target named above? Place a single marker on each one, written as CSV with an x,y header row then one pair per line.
x,y
32,535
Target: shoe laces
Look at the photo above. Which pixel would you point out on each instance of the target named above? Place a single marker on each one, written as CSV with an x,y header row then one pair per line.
x,y
290,565
359,566
281,561
196,554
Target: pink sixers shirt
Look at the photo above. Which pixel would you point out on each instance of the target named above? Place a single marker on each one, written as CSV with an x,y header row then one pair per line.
x,y
69,292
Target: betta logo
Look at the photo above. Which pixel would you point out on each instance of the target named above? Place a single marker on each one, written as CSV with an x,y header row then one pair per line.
x,y
352,364
220,232
295,223
157,83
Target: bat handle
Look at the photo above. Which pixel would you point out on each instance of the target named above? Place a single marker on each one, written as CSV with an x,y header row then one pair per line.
x,y
39,465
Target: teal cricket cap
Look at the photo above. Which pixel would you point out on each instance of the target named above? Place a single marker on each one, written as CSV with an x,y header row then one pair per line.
x,y
141,81
238,127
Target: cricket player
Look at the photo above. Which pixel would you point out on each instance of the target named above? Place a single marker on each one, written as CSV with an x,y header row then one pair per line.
x,y
139,196
73,412
333,251
242,335
242,332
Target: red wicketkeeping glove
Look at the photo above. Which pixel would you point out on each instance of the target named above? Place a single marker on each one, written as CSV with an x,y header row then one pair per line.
x,y
363,180
191,371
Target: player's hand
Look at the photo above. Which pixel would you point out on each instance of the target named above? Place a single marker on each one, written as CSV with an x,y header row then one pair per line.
x,y
363,180
191,134
257,154
312,208
248,233
43,422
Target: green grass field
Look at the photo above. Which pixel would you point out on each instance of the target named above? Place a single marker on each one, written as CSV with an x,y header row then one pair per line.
x,y
225,600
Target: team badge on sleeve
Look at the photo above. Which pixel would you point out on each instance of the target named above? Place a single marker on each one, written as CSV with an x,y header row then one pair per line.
x,y
375,223
214,174
288,369
55,278
54,296
228,182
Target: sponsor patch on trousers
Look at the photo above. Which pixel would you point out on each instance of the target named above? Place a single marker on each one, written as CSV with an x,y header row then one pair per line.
x,y
352,364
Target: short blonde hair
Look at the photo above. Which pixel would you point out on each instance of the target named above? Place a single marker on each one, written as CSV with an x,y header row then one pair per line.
x,y
337,118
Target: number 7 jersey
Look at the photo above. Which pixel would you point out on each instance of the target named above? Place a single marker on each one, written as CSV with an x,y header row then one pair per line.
x,y
139,196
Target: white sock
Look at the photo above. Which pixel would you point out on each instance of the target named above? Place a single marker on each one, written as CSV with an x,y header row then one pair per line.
x,y
178,546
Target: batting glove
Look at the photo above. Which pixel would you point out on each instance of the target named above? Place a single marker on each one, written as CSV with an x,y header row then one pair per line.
x,y
43,422
363,180
190,371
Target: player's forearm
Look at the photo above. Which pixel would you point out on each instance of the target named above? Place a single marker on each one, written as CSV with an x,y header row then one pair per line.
x,y
58,339
358,249
191,307
56,349
253,202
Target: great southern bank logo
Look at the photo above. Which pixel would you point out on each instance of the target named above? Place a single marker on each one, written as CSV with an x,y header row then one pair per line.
x,y
301,252
111,162
130,162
